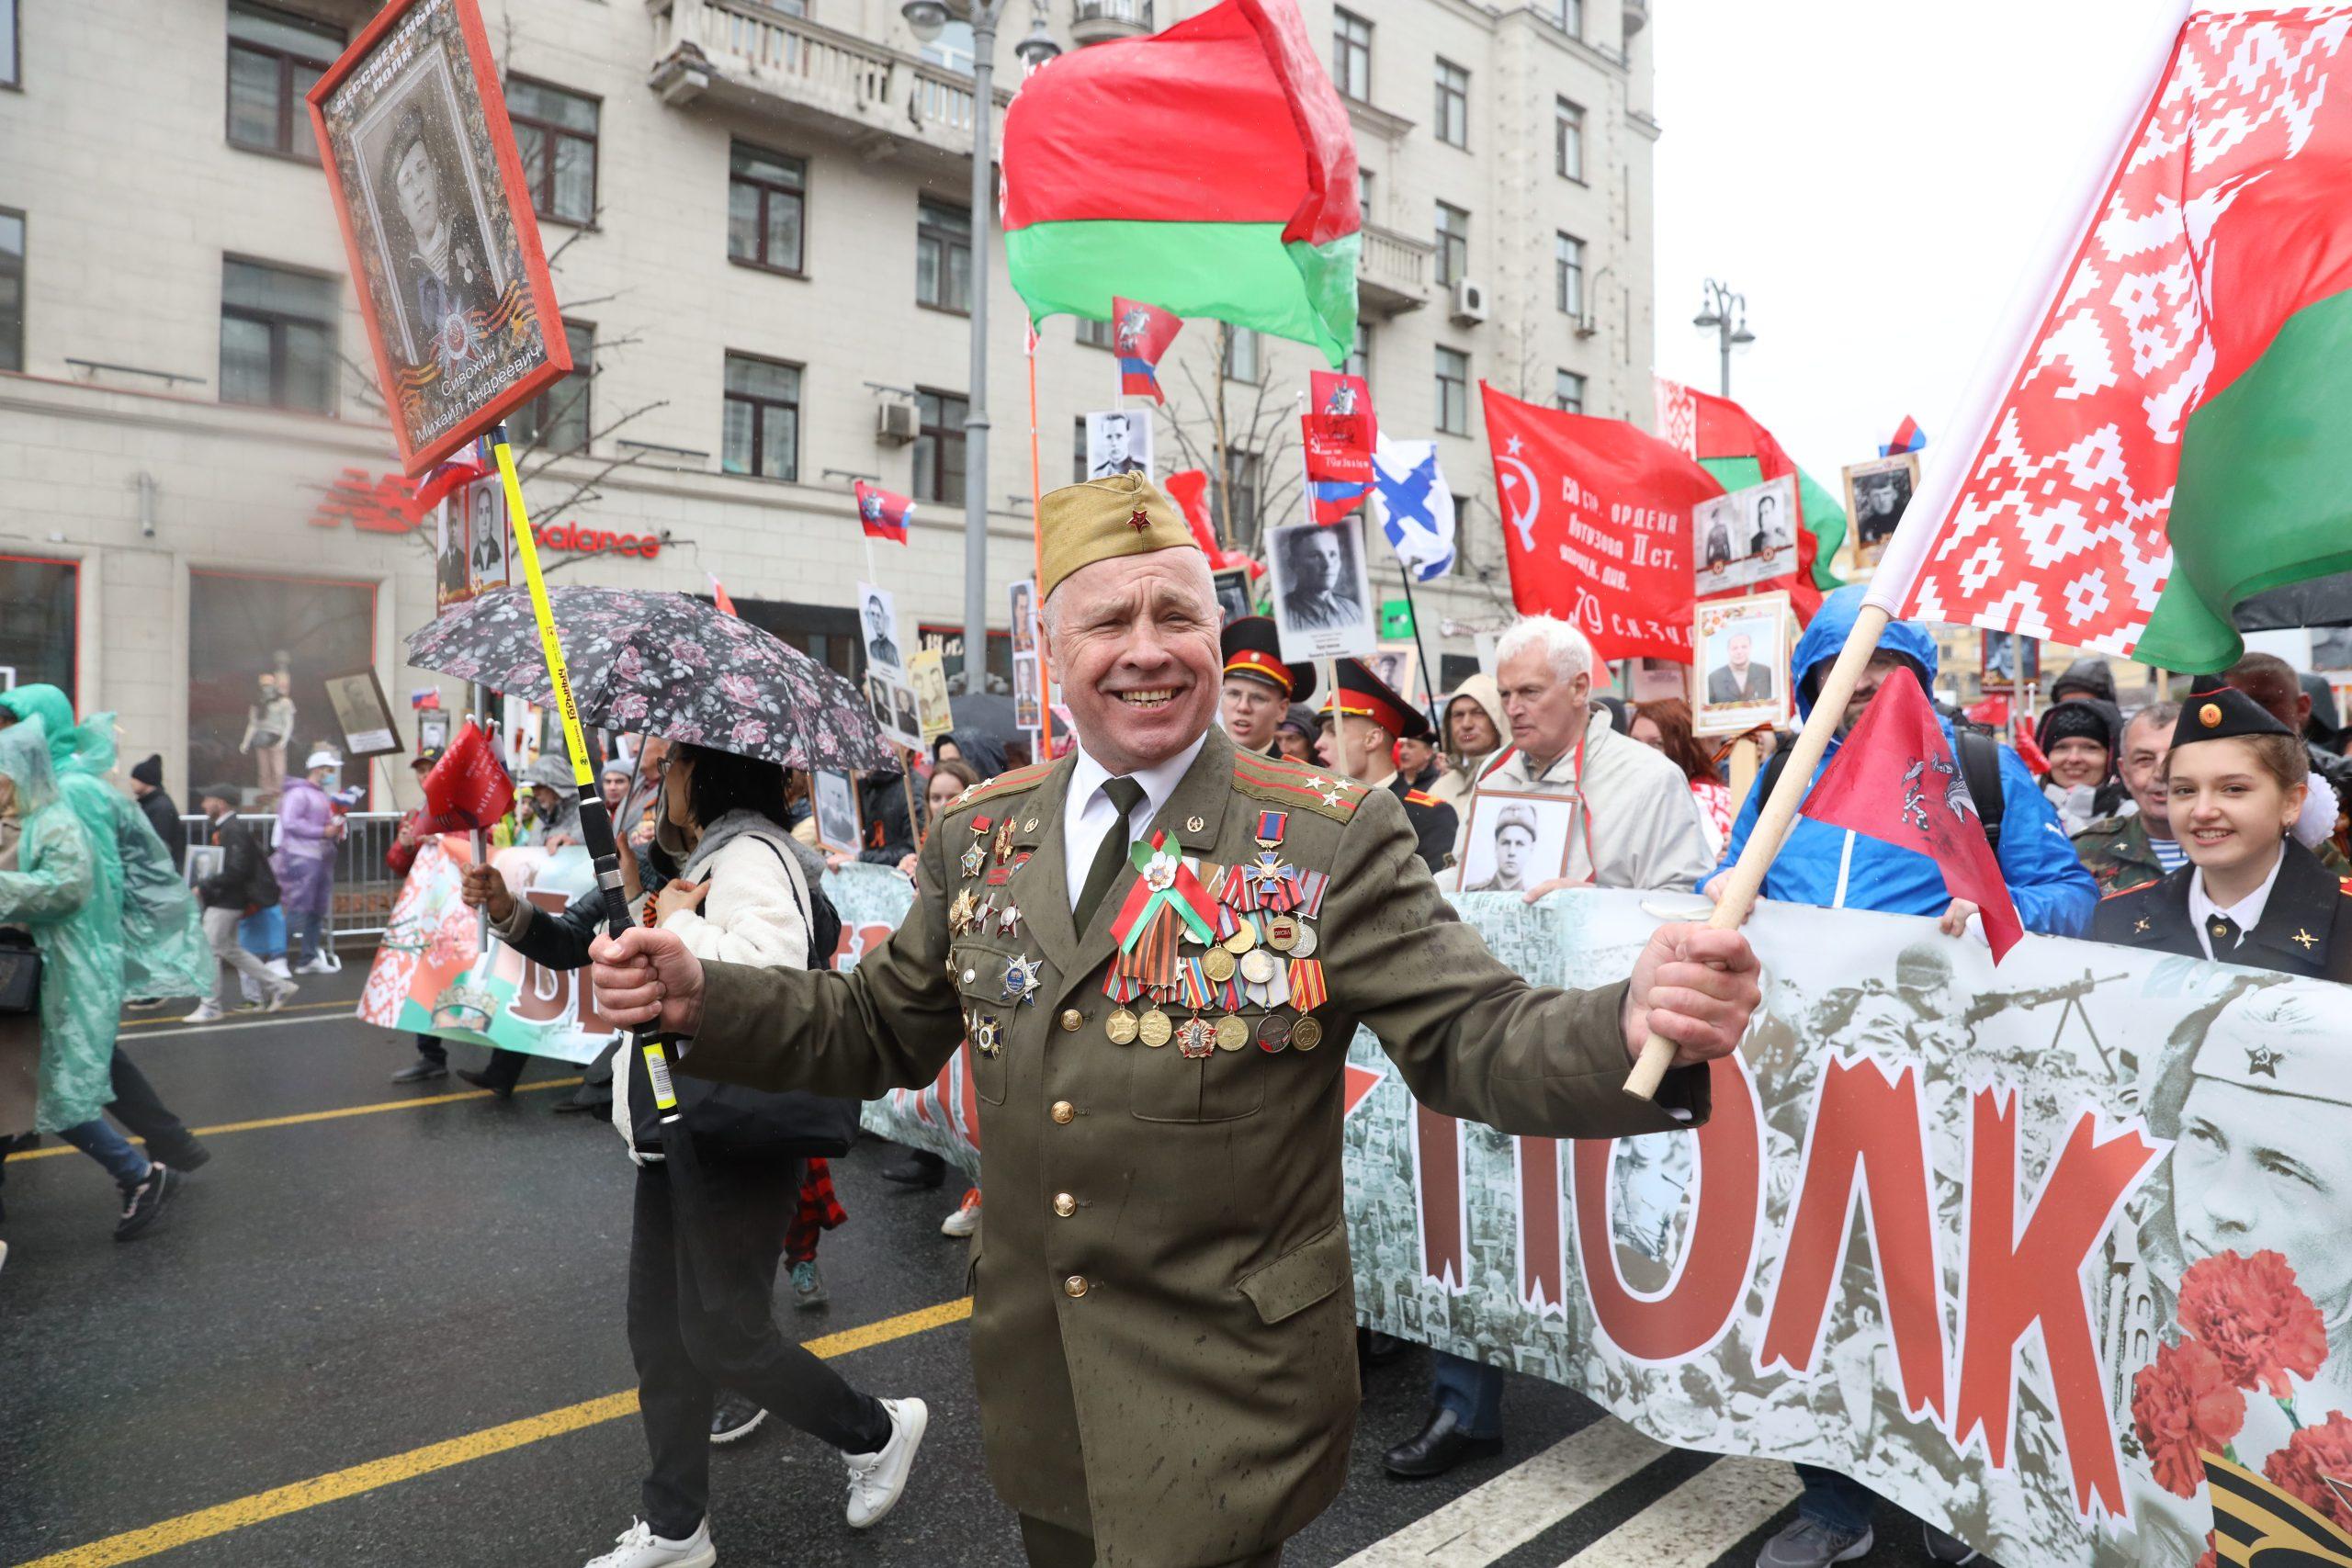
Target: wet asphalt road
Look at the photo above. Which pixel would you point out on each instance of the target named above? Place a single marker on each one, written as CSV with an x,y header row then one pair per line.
x,y
335,1293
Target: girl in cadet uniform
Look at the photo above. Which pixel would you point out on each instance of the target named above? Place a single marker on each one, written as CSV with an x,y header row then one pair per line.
x,y
2252,894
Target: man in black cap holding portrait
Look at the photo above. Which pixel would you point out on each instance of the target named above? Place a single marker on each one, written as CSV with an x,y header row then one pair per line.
x,y
1259,687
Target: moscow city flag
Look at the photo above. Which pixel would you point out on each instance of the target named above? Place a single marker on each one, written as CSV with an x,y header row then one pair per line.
x,y
1208,168
882,513
2168,436
1140,334
1729,444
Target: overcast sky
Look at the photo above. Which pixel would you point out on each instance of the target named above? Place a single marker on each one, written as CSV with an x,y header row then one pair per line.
x,y
1875,179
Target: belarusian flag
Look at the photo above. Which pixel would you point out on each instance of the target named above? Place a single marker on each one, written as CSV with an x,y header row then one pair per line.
x,y
2174,431
1731,446
1208,168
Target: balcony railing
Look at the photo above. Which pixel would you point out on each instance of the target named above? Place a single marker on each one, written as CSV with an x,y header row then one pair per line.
x,y
1098,21
1393,271
767,61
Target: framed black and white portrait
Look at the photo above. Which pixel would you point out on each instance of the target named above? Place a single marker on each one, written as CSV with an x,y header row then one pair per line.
x,y
1118,441
363,717
1741,674
490,557
1323,604
877,612
1744,538
1233,595
834,799
1876,493
1516,841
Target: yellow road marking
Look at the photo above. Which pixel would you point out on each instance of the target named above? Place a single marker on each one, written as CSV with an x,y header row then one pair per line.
x,y
350,1007
220,1519
309,1116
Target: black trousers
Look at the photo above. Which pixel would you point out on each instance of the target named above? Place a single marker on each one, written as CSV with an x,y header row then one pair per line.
x,y
686,1350
138,1107
431,1048
1051,1546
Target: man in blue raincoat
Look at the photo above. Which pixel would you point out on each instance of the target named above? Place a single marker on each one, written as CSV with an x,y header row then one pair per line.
x,y
1837,869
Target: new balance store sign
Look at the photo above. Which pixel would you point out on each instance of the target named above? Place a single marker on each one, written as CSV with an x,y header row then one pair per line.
x,y
594,541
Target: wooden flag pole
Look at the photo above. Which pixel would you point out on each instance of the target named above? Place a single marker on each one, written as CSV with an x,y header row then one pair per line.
x,y
1038,569
1738,896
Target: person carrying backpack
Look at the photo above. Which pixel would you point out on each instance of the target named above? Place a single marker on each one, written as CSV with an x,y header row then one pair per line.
x,y
740,896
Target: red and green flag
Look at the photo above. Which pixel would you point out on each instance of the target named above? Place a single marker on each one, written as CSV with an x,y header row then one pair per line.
x,y
2169,436
1208,168
1730,444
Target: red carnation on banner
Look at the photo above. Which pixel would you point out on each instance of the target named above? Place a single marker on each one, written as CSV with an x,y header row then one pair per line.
x,y
468,789
1189,489
2312,1457
1894,780
2183,1406
2252,1314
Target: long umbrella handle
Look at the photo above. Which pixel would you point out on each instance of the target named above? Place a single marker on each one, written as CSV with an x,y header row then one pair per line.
x,y
685,1172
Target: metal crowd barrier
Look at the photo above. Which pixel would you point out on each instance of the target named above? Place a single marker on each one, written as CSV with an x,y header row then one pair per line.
x,y
364,885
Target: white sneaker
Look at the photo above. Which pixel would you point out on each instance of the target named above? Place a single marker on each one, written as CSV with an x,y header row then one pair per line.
x,y
325,964
205,1013
280,996
966,1218
638,1547
876,1479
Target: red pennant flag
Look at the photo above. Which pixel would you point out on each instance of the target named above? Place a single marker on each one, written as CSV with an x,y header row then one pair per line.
x,y
881,514
1894,780
719,599
467,788
1140,333
1600,526
1189,489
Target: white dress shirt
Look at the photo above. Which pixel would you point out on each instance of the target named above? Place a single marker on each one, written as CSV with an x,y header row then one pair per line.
x,y
1088,814
2246,911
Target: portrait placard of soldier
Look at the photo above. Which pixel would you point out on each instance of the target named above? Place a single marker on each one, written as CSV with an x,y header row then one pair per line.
x,y
1118,441
836,808
1740,677
1323,604
1745,537
438,227
1233,595
1876,493
877,611
1516,841
491,559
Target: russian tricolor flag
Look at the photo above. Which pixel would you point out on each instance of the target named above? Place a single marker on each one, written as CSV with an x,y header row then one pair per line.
x,y
882,514
1908,437
1140,334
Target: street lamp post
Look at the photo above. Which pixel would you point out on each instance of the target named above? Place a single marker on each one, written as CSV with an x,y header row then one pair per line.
x,y
925,18
1725,313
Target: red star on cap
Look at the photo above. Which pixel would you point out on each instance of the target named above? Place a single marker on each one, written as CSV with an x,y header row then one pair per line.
x,y
1138,520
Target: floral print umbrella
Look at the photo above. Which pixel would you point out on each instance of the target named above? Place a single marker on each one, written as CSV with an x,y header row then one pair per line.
x,y
664,664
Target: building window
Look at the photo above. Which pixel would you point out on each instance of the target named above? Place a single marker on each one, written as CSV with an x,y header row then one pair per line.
x,y
1241,358
556,420
1453,123
1452,392
12,288
1363,192
939,449
11,72
38,602
954,49
556,134
763,435
767,203
1360,357
1453,244
1568,139
1094,334
1244,481
1352,56
1568,16
277,337
944,257
1567,391
293,633
1567,274
274,58
1077,450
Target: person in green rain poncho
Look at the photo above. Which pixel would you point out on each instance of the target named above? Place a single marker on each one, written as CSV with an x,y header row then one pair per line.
x,y
51,890
158,948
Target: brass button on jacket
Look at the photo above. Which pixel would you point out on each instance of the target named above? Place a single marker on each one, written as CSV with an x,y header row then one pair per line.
x,y
1065,1205
1063,1111
1072,1020
1075,1286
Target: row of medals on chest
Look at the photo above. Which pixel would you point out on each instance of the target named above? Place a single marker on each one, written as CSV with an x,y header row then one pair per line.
x,y
1256,951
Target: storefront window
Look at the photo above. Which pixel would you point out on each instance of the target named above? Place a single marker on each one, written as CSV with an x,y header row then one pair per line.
x,y
260,650
37,622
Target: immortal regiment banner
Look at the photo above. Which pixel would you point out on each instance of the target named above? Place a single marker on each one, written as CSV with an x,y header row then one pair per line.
x,y
430,977
2013,1250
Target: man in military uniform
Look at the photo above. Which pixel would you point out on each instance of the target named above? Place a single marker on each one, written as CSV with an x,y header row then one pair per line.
x,y
1358,742
1163,1326
2131,849
1259,687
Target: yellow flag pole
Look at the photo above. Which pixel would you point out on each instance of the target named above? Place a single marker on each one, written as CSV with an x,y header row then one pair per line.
x,y
685,1172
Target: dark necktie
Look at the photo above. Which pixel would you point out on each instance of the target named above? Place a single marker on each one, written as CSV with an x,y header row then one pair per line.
x,y
1110,855
2224,932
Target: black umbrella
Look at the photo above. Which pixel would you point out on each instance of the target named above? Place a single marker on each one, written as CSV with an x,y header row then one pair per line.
x,y
666,665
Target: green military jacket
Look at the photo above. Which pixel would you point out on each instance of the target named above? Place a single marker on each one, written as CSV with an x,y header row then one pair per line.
x,y
1163,1311
2115,851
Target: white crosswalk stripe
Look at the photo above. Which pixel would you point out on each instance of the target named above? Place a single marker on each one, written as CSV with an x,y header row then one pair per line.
x,y
1518,1505
1699,1520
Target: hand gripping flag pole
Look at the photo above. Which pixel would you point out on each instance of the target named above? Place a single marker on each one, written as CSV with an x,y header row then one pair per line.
x,y
683,1171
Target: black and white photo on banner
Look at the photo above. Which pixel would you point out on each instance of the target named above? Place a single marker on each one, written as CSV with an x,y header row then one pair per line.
x,y
1746,537
1740,675
1516,841
1322,591
1876,493
438,222
1118,440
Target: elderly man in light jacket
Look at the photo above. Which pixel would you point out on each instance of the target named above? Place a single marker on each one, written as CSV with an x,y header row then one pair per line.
x,y
1635,825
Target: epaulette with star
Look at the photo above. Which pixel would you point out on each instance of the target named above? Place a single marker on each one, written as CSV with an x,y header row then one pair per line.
x,y
1287,783
1004,784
